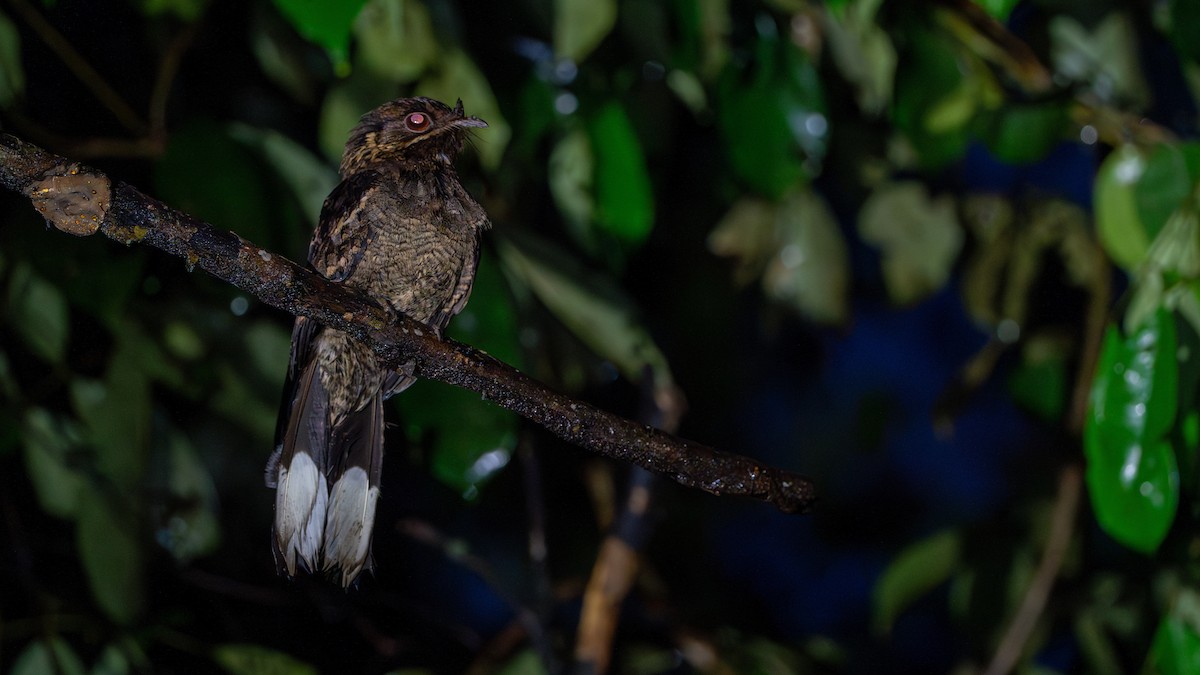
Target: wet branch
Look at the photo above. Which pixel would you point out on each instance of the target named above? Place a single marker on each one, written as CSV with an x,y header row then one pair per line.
x,y
81,201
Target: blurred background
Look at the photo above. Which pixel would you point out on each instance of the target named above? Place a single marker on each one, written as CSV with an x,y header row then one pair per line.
x,y
941,257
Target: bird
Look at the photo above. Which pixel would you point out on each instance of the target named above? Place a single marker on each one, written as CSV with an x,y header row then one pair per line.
x,y
401,228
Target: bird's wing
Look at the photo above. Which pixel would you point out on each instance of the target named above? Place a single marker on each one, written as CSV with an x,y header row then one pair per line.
x,y
344,231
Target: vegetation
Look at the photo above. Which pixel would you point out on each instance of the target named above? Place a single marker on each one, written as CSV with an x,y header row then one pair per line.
x,y
943,257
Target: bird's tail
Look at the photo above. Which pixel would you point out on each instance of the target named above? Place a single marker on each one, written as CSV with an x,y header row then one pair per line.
x,y
327,483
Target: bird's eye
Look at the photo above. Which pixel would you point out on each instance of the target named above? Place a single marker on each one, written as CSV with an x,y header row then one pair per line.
x,y
417,121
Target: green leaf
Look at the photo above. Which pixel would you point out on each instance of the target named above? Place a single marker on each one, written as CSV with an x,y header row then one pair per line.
x,y
12,72
1023,133
1176,648
918,236
112,661
325,23
308,177
1118,223
49,442
244,659
116,414
457,77
774,125
572,176
526,662
999,9
112,556
38,313
1184,27
934,101
581,25
1041,387
917,570
52,655
469,440
596,311
1102,57
345,103
1171,172
623,194
208,174
395,39
1132,474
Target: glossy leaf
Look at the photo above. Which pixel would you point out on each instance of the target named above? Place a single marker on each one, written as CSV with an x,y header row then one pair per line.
x,y
1118,223
1132,475
623,195
580,26
106,534
12,72
916,571
49,443
38,313
395,39
456,76
325,23
42,657
246,659
597,312
918,236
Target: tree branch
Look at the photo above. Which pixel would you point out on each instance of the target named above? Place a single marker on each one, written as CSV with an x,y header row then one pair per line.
x,y
81,201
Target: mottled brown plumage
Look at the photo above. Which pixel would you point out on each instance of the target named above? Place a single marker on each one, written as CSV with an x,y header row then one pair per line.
x,y
401,228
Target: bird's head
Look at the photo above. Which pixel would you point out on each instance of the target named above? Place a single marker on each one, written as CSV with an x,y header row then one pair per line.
x,y
420,132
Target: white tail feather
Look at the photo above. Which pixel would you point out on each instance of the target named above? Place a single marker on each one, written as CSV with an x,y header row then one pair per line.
x,y
349,523
300,504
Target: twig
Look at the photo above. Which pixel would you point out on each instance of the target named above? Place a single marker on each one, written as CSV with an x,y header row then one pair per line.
x,y
1062,522
78,65
81,201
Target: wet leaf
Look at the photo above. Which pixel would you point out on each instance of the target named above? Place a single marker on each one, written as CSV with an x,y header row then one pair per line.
x,y
111,554
623,195
12,72
1118,223
811,270
917,570
48,443
53,655
244,659
456,76
326,24
1132,476
395,39
918,236
595,310
581,25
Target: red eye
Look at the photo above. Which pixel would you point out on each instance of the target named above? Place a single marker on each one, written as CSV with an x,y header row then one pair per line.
x,y
417,121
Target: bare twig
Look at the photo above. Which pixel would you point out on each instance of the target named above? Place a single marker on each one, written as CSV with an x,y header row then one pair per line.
x,y
82,201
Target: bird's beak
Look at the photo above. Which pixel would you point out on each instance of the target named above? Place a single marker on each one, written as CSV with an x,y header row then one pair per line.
x,y
463,120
